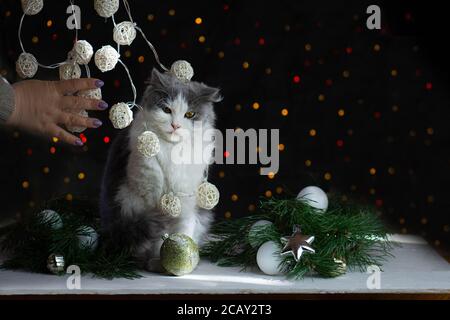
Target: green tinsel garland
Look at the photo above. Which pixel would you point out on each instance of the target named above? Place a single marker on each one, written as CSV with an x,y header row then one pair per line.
x,y
346,232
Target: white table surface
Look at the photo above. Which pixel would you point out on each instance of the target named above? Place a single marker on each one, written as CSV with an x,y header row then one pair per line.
x,y
416,268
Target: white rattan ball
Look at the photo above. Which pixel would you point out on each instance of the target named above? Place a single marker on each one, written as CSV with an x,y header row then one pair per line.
x,y
120,115
171,205
106,8
69,71
124,33
83,52
106,58
32,7
26,65
182,70
148,144
91,93
207,196
82,113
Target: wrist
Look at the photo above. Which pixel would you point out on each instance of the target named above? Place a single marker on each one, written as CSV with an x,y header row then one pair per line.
x,y
7,100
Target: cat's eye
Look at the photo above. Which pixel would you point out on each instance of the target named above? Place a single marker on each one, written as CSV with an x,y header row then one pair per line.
x,y
167,110
189,114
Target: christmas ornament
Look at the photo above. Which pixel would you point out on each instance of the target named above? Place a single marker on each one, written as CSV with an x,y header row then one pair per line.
x,y
106,58
297,243
315,197
87,238
182,70
69,71
26,65
32,7
51,217
120,115
82,113
106,8
170,205
207,195
124,33
268,258
179,254
254,231
55,263
91,94
148,144
83,52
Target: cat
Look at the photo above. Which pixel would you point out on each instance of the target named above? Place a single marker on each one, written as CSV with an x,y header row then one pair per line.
x,y
132,184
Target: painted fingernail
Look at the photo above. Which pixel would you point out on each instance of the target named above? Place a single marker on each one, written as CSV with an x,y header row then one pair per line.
x,y
102,105
99,83
78,142
97,123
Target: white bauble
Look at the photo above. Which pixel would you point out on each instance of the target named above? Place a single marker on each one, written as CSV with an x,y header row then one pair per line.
x,y
253,231
83,52
51,216
207,196
69,71
315,197
106,58
268,258
32,7
88,238
26,65
124,33
106,8
182,70
120,115
170,205
82,113
148,144
91,93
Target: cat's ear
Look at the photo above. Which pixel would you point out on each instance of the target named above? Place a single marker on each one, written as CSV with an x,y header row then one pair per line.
x,y
210,94
157,79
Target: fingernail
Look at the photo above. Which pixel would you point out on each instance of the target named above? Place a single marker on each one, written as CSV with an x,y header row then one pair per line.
x,y
97,123
102,105
78,142
99,83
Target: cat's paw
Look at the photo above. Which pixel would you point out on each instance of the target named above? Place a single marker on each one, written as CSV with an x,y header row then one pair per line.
x,y
154,265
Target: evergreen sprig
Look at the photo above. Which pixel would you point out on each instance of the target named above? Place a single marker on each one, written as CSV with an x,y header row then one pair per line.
x,y
346,232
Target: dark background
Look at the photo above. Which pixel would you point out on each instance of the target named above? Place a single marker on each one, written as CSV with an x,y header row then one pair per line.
x,y
367,110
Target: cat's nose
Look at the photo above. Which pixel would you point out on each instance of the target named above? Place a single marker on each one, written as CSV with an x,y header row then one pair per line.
x,y
175,126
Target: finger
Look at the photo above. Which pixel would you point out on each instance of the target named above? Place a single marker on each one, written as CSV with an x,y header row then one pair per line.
x,y
74,85
65,136
77,120
80,103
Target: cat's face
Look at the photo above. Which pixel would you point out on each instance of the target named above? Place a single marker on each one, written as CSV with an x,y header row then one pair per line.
x,y
171,106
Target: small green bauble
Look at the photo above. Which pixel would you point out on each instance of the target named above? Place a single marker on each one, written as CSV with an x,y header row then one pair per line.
x,y
179,254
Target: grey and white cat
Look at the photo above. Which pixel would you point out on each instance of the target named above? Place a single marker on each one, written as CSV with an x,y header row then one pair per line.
x,y
133,185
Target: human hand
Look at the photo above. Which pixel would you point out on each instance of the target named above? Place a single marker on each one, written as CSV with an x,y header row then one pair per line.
x,y
42,107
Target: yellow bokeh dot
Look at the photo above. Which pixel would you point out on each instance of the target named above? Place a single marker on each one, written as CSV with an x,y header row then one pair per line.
x,y
221,54
127,53
228,214
35,39
395,108
376,47
424,220
446,228
202,39
251,207
246,65
172,12
268,193
271,175
372,171
16,134
284,112
256,106
268,71
391,170
88,26
234,197
25,184
346,73
7,13
66,180
81,176
69,197
372,191
221,174
321,97
312,132
279,190
150,17
281,147
31,204
49,23
46,170
344,198
141,59
437,243
430,131
308,47
430,199
238,107
198,20
404,230
308,163
327,176
402,220
55,139
341,112
394,72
